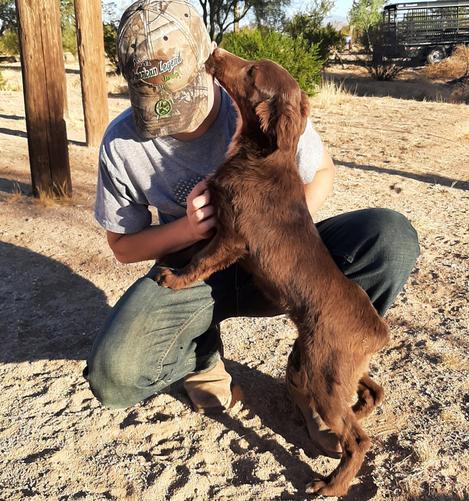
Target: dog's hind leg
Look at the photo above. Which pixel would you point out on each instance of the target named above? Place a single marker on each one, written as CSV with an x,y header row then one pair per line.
x,y
370,394
355,443
219,253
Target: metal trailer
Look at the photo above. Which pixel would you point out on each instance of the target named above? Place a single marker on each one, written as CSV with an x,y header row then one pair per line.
x,y
426,30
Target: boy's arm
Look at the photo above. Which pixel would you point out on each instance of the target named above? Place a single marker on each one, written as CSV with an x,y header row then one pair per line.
x,y
157,241
320,187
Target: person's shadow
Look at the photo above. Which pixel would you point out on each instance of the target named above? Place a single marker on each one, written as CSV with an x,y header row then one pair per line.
x,y
48,312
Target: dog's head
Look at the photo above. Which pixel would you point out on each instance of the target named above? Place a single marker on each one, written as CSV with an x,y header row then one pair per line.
x,y
268,97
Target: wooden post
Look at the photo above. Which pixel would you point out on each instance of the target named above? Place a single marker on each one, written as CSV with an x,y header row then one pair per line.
x,y
43,72
90,39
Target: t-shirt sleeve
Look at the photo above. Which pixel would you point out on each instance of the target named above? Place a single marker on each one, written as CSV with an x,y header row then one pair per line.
x,y
309,153
116,208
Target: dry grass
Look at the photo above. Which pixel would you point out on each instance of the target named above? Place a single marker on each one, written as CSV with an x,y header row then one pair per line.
x,y
16,193
58,197
117,85
452,67
331,93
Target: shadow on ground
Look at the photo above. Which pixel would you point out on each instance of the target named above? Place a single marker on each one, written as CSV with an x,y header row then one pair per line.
x,y
12,186
417,89
266,397
425,178
48,311
23,134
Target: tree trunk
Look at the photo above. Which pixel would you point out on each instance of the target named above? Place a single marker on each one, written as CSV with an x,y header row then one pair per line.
x,y
236,16
90,38
43,72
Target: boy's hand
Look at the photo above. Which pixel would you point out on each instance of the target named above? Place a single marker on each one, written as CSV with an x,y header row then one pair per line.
x,y
200,214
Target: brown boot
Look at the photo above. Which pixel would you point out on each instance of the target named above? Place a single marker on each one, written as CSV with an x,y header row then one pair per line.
x,y
324,440
212,391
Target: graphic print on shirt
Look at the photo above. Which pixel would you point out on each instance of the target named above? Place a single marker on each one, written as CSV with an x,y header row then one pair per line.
x,y
184,187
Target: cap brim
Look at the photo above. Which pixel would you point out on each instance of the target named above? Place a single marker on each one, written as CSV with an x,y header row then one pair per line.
x,y
162,113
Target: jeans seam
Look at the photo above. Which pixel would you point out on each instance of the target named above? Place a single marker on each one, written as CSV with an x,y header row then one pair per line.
x,y
178,334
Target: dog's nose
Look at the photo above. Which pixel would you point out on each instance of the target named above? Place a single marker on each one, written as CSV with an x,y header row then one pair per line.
x,y
210,65
219,52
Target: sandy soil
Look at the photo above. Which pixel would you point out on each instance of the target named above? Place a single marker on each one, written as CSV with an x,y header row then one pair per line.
x,y
59,280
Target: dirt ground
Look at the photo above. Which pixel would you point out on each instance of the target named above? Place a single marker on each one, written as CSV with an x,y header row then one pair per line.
x,y
59,281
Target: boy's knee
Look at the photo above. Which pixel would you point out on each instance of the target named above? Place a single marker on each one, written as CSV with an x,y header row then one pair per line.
x,y
115,381
396,237
111,387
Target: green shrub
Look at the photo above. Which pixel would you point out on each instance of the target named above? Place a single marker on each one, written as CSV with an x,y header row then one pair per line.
x,y
110,44
294,54
311,28
9,43
69,39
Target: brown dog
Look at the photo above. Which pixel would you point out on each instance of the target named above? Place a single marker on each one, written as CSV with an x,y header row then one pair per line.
x,y
264,220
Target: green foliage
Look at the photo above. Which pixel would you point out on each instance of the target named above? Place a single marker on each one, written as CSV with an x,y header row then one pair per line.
x,y
310,25
326,37
111,13
7,15
69,39
110,43
271,14
221,15
67,21
365,14
9,43
294,54
67,13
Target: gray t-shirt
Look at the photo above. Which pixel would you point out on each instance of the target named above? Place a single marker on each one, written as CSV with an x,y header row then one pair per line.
x,y
136,174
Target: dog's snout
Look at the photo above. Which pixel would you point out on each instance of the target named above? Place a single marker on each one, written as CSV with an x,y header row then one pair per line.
x,y
210,65
213,63
219,52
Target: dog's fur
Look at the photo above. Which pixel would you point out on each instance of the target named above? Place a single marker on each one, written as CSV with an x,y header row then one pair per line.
x,y
263,219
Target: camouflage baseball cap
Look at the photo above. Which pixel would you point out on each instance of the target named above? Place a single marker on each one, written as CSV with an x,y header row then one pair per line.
x,y
162,48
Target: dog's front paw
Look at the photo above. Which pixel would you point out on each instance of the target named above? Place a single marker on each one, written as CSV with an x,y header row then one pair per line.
x,y
315,486
325,488
167,278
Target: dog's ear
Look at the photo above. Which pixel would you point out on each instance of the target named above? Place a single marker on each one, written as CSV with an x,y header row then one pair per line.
x,y
263,112
304,106
304,110
281,121
288,127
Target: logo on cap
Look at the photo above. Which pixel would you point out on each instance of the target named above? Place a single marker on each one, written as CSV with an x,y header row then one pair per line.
x,y
149,71
163,108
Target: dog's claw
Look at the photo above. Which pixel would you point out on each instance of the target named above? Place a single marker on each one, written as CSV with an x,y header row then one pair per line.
x,y
315,486
325,488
